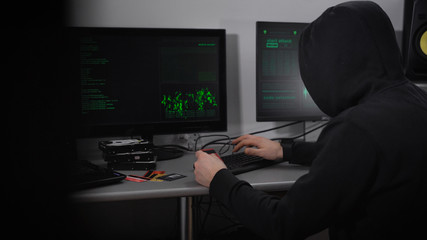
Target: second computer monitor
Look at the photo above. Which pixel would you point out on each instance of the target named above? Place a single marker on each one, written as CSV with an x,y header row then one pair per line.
x,y
280,92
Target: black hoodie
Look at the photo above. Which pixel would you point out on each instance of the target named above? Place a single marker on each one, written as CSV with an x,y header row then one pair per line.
x,y
368,174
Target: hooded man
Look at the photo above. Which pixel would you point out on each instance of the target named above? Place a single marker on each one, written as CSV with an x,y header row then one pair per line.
x,y
368,174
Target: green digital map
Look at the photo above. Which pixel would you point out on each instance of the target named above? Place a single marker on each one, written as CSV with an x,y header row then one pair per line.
x,y
179,104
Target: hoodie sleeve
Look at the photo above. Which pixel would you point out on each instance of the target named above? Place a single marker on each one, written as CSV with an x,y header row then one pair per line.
x,y
302,153
330,192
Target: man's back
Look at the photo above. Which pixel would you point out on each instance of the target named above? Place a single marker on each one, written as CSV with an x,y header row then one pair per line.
x,y
368,171
394,121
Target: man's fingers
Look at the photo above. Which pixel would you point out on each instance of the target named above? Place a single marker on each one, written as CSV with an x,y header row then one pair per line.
x,y
241,138
250,142
237,140
251,151
243,141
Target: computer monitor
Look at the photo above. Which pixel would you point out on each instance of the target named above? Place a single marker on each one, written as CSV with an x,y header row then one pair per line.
x,y
280,92
142,82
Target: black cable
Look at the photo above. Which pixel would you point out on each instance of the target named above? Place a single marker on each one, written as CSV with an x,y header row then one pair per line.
x,y
303,134
252,133
224,229
224,215
212,135
271,129
203,224
216,141
171,146
308,132
201,229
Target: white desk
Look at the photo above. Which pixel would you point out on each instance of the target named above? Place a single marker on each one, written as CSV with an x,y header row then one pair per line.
x,y
279,177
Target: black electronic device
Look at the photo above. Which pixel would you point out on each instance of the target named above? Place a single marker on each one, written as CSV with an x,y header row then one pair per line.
x,y
280,92
138,156
84,174
414,44
146,81
132,165
125,146
128,154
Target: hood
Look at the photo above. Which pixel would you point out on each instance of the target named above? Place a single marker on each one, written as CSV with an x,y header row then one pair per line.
x,y
348,54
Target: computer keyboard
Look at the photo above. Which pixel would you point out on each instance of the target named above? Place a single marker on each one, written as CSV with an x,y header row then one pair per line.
x,y
239,163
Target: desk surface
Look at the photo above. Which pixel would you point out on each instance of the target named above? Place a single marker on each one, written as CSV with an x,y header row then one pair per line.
x,y
278,177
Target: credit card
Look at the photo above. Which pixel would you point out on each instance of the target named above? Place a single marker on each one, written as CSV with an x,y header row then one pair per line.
x,y
172,177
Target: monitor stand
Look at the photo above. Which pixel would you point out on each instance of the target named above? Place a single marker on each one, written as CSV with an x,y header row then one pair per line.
x,y
167,153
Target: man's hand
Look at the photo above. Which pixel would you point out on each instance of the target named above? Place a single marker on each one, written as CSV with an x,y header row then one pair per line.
x,y
206,166
264,147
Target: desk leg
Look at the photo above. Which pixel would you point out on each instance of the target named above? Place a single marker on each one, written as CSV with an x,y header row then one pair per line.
x,y
186,219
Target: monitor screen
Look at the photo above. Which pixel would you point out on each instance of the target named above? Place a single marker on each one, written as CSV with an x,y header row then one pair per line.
x,y
280,92
138,81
